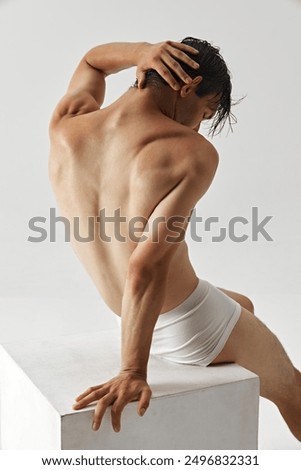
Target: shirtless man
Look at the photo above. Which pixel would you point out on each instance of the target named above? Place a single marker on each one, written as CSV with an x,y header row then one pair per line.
x,y
143,155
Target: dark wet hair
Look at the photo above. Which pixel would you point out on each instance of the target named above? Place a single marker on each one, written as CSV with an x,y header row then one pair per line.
x,y
216,79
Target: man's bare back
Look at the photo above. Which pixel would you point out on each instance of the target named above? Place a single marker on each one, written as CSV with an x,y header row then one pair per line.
x,y
128,156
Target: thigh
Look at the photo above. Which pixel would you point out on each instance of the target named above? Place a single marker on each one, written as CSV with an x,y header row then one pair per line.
x,y
253,346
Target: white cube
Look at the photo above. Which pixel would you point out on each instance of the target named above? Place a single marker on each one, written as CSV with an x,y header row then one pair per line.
x,y
192,407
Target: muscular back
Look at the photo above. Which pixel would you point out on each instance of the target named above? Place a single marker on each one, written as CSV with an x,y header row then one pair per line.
x,y
122,161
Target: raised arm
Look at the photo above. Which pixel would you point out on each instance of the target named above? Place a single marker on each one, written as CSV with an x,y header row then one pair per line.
x,y
86,90
145,287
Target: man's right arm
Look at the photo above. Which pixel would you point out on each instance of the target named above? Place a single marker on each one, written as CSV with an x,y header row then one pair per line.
x,y
86,90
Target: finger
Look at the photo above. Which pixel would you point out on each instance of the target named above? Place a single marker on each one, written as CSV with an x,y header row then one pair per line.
x,y
144,401
183,47
176,67
89,399
88,391
180,55
141,79
116,411
100,410
165,73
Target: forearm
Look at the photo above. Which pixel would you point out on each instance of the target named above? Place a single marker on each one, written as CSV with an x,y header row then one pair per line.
x,y
114,57
141,306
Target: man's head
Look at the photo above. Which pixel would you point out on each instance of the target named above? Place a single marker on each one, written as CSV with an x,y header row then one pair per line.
x,y
210,92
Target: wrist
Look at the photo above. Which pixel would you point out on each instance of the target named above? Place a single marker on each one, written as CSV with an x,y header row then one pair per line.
x,y
141,50
133,372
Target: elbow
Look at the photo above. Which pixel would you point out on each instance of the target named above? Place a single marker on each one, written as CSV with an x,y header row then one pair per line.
x,y
143,272
91,58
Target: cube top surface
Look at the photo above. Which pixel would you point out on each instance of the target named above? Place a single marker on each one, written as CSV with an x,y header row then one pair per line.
x,y
64,366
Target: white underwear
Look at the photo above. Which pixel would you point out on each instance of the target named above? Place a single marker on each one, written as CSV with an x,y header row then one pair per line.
x,y
196,331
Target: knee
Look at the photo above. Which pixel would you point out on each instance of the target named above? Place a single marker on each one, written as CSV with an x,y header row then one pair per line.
x,y
243,300
247,303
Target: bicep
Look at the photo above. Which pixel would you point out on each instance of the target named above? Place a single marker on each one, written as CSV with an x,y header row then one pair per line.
x,y
165,227
85,92
89,80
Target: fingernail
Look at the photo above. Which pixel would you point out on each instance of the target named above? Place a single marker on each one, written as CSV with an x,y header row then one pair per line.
x,y
116,428
94,427
188,80
142,411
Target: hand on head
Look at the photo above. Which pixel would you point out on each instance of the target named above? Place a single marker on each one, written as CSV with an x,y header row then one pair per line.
x,y
163,58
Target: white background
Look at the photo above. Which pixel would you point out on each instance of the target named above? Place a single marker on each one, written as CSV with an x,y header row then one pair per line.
x,y
41,43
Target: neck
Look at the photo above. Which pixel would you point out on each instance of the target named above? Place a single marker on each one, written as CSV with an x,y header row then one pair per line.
x,y
162,99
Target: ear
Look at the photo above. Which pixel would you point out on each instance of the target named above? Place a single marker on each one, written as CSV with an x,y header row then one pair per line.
x,y
186,89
